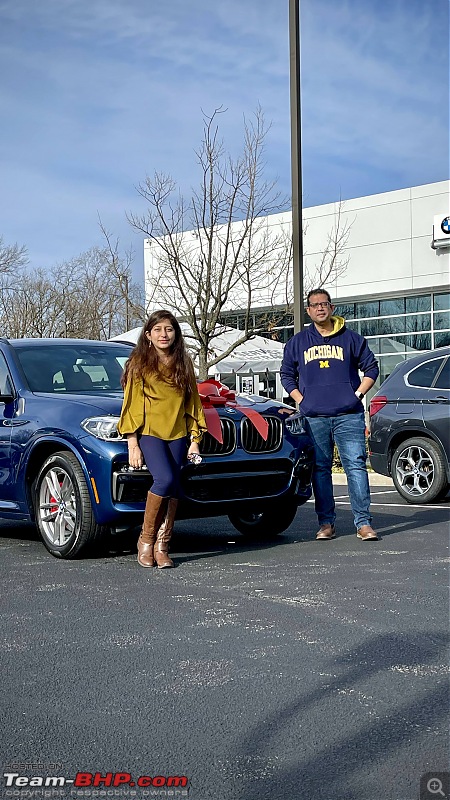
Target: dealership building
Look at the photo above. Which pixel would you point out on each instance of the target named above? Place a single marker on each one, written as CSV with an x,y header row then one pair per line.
x,y
394,289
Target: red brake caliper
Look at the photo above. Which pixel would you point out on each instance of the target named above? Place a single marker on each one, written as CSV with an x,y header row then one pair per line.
x,y
54,509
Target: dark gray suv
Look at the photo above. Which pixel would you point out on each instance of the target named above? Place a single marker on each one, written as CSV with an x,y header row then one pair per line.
x,y
410,427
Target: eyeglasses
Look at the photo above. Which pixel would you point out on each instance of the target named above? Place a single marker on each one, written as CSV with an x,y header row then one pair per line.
x,y
320,305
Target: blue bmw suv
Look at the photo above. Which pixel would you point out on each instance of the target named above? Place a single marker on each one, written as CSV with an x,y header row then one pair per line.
x,y
63,465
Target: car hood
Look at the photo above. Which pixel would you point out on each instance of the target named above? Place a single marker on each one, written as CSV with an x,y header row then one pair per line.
x,y
109,403
77,407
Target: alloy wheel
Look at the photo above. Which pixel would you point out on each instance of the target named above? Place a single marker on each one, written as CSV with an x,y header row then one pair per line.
x,y
415,470
57,507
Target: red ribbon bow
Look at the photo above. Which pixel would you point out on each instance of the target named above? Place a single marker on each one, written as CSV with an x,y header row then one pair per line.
x,y
212,393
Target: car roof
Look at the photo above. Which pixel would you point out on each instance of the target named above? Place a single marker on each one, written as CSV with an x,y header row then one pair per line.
x,y
427,355
58,342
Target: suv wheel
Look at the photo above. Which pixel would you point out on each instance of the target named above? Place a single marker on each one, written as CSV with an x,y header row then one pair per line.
x,y
418,471
265,524
63,509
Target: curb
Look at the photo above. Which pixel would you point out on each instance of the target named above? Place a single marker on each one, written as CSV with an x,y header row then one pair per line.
x,y
340,479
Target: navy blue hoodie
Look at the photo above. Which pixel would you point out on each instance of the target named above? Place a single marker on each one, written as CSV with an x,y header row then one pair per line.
x,y
325,369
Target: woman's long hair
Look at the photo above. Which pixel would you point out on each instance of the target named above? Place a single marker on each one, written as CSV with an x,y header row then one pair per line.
x,y
144,358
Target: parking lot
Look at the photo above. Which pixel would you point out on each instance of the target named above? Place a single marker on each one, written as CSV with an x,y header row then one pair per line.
x,y
289,670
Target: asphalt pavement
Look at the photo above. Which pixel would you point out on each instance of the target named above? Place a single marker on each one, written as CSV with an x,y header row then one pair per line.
x,y
289,670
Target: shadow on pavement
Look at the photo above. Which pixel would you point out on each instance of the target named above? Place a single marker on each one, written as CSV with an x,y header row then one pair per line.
x,y
341,766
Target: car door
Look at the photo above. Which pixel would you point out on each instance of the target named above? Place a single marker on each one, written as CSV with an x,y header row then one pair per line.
x,y
436,406
7,411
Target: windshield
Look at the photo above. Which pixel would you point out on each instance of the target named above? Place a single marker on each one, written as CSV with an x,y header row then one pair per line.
x,y
75,367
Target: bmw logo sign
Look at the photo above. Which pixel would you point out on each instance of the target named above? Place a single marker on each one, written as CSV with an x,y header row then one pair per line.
x,y
445,225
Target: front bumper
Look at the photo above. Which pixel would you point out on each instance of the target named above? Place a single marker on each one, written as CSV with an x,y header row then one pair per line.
x,y
212,488
213,482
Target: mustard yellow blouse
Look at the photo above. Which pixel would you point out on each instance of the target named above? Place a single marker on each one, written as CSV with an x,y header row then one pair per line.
x,y
153,407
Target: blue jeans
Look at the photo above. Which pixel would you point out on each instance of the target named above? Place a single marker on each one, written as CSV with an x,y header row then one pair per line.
x,y
348,433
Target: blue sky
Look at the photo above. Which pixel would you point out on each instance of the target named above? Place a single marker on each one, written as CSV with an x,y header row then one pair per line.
x,y
95,94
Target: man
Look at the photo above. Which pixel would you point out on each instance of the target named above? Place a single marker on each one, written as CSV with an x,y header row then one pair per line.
x,y
320,371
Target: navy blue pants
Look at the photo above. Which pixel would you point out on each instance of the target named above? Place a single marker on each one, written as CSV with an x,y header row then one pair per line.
x,y
164,461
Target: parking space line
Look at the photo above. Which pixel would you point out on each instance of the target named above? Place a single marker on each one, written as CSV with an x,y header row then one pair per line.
x,y
388,491
342,501
372,494
424,506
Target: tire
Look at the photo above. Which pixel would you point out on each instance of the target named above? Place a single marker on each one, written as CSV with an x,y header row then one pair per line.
x,y
264,524
63,509
418,471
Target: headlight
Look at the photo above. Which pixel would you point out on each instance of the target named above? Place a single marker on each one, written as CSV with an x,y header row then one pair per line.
x,y
102,427
295,424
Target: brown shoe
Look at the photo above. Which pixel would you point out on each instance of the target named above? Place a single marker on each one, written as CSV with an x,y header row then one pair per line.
x,y
367,534
326,532
155,508
145,553
161,549
161,552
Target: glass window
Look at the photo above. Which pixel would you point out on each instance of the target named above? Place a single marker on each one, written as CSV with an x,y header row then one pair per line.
x,y
346,310
284,334
442,339
424,374
442,301
369,327
267,384
369,309
393,344
442,320
418,341
443,381
5,382
229,380
278,319
353,325
421,303
374,344
73,368
418,322
387,364
392,325
394,306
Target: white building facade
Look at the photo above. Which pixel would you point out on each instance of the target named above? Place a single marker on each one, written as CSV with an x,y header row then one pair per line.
x,y
395,289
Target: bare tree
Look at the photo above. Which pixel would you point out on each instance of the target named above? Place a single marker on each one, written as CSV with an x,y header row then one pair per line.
x,y
94,303
319,269
12,257
222,261
222,249
82,298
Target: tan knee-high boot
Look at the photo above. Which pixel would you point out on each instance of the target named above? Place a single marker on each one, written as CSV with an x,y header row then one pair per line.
x,y
161,548
155,508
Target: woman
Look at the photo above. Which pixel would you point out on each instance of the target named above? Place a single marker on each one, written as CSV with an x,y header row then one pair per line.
x,y
163,420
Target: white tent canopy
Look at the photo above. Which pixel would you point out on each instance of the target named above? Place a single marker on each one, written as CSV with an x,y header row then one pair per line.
x,y
257,354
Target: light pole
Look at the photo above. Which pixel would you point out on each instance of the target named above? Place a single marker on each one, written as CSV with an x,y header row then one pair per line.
x,y
296,163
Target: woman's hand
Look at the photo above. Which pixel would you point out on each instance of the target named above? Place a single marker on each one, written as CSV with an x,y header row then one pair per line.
x,y
193,454
193,448
135,457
